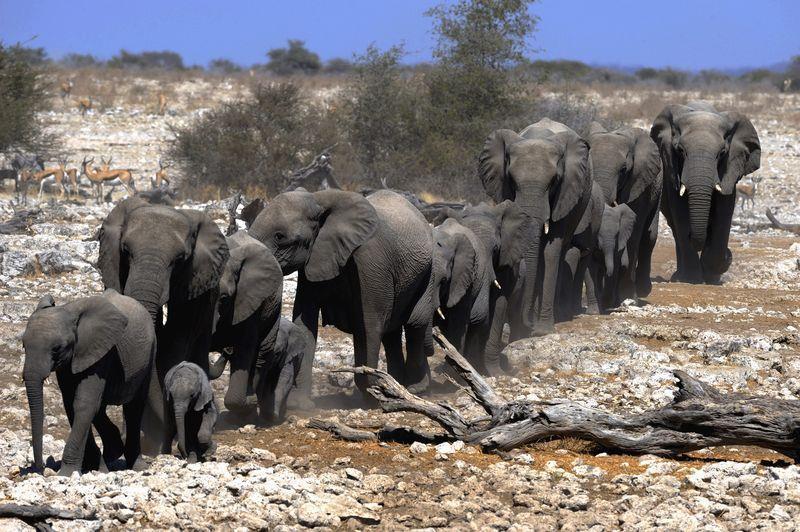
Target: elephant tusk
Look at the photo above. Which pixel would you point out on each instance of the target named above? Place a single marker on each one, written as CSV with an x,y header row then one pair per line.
x,y
546,227
439,311
164,312
719,188
497,284
683,190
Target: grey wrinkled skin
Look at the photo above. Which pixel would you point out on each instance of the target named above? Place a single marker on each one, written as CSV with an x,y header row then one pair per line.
x,y
546,170
365,264
191,401
612,259
463,279
707,152
627,165
578,268
248,314
102,350
160,256
502,230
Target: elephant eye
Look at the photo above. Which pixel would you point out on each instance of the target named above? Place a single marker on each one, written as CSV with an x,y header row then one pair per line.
x,y
279,237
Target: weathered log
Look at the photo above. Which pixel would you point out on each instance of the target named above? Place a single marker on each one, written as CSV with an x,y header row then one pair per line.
x,y
792,228
700,416
317,175
389,433
31,513
342,431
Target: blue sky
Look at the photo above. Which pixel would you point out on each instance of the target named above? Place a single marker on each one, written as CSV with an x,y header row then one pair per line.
x,y
690,34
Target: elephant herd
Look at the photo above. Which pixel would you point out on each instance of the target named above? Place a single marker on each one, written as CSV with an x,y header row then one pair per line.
x,y
570,216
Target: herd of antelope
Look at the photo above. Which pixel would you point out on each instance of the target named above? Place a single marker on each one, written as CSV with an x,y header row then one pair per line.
x,y
68,180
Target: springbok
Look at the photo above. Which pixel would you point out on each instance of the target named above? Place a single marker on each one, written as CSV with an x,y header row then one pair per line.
x,y
28,176
84,105
57,178
114,178
161,176
748,191
162,103
66,88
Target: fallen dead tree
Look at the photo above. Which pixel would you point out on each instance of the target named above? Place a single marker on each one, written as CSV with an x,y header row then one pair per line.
x,y
792,228
700,416
37,515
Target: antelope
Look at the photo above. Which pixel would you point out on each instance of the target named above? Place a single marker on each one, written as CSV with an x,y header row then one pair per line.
x,y
98,178
66,88
748,191
57,177
162,103
28,176
161,176
84,105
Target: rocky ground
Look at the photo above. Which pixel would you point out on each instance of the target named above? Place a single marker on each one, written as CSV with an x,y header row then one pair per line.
x,y
740,336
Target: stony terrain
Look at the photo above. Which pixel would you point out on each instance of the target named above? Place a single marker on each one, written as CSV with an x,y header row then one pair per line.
x,y
744,335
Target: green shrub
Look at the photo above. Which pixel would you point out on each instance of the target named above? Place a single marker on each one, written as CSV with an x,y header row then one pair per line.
x,y
223,66
295,59
164,60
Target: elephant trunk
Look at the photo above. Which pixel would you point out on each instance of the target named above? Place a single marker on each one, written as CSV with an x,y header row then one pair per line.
x,y
148,283
539,212
608,181
34,390
236,396
700,177
180,425
216,369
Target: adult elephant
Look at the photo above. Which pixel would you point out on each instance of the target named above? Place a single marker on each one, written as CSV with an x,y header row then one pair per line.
x,y
704,153
547,171
366,265
170,259
627,166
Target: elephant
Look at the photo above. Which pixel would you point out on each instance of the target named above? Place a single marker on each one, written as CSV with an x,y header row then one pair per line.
x,y
463,279
366,265
546,169
612,258
501,229
576,270
276,369
170,260
102,350
704,153
191,401
248,313
627,165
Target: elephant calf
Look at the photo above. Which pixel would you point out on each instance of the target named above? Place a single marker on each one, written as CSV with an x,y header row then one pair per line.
x,y
102,350
191,401
276,369
612,257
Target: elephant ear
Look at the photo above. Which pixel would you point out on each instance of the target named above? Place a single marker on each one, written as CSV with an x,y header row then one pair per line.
x,y
463,269
627,220
110,237
744,151
45,301
493,164
100,327
260,278
514,225
209,255
251,211
205,395
576,175
348,220
663,132
646,164
595,128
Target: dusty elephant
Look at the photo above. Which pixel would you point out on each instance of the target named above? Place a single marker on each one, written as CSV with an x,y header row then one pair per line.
x,y
612,258
365,264
704,153
191,402
546,170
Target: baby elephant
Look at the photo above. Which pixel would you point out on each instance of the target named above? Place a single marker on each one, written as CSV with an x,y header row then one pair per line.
x,y
611,257
191,400
276,369
102,350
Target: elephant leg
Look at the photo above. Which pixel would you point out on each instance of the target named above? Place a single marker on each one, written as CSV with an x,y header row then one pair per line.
x,y
91,453
591,278
716,256
87,402
565,308
645,255
242,365
393,347
109,435
306,316
494,342
418,373
475,345
132,413
367,346
553,256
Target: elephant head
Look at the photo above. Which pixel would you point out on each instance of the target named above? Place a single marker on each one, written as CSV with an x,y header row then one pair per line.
x,y
454,260
251,286
547,171
615,231
155,253
704,152
72,337
502,228
186,387
315,233
625,163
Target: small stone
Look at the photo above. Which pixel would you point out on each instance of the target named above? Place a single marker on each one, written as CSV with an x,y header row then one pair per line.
x,y
247,429
446,448
418,448
353,473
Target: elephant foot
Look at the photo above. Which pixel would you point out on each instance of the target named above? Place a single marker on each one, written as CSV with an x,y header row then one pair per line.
x,y
68,469
492,370
593,310
420,387
140,465
192,458
299,401
713,279
543,329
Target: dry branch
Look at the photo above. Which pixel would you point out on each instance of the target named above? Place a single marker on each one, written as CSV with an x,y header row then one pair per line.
x,y
700,416
792,228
